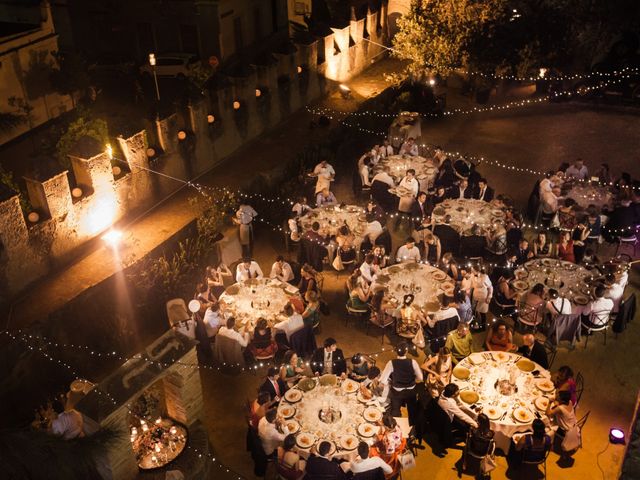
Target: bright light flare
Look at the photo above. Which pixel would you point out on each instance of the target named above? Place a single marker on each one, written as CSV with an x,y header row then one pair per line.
x,y
112,238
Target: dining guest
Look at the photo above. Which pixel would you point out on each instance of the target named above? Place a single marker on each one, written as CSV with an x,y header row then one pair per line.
x,y
462,191
461,416
497,241
408,252
402,374
372,208
474,245
409,147
563,413
292,368
386,149
292,323
499,338
577,171
359,367
320,467
438,368
446,312
390,443
484,191
505,294
325,198
204,295
368,270
274,385
213,319
311,313
421,210
480,440
301,207
346,246
567,215
262,343
534,445
364,170
328,359
259,407
601,308
579,236
441,194
68,424
603,174
215,278
563,381
432,247
410,183
359,292
281,270
380,257
446,175
270,435
371,387
290,465
524,253
449,237
229,331
622,221
542,247
549,205
325,174
532,305
557,305
614,291
534,351
366,463
248,269
373,229
308,280
463,305
244,219
482,292
460,342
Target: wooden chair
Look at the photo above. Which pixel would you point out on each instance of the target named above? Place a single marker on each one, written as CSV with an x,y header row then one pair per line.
x,y
579,387
602,319
628,241
529,316
542,462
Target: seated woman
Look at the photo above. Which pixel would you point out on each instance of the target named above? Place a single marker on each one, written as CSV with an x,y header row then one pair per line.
x,y
480,441
499,338
346,249
359,367
565,248
311,314
411,318
390,443
380,257
438,368
359,292
562,412
292,368
290,465
215,278
262,344
204,296
531,309
564,381
505,296
258,408
308,280
542,247
579,236
381,309
497,241
533,446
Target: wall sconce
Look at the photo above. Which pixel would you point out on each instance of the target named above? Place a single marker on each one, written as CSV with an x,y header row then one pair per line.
x,y
116,171
299,69
151,152
33,217
258,93
236,105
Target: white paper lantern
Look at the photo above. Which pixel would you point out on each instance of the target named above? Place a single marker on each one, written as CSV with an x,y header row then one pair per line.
x,y
182,135
33,217
194,306
116,171
76,192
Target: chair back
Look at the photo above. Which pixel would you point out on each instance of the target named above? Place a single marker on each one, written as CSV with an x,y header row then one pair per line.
x,y
529,314
177,311
601,319
579,387
375,474
227,351
581,423
533,455
566,220
625,314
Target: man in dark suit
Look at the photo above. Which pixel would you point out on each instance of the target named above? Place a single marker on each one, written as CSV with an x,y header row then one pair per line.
x,y
484,191
274,385
449,237
328,359
524,253
463,190
473,246
534,351
421,210
320,467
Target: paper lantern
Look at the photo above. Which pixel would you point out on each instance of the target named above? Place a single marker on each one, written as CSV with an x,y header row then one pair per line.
x,y
116,170
299,69
236,105
182,135
258,92
76,192
151,152
194,306
33,217
210,118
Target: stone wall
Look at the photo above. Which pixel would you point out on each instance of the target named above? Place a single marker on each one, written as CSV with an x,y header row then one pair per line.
x,y
213,129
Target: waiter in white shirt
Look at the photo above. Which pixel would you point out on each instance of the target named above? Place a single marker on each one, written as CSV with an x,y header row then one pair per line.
x,y
244,218
402,374
325,174
458,414
248,269
281,270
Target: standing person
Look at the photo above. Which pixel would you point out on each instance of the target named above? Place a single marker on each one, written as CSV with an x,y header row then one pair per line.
x,y
402,374
482,293
439,368
244,219
269,433
459,414
410,183
325,174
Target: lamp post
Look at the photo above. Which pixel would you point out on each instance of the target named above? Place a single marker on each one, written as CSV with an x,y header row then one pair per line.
x,y
152,62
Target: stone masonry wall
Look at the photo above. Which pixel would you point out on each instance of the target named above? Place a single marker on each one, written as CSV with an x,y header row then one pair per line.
x,y
30,249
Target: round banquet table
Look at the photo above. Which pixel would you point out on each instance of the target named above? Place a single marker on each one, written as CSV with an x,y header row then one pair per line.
x,y
426,170
425,282
509,414
586,194
257,298
466,212
301,409
569,279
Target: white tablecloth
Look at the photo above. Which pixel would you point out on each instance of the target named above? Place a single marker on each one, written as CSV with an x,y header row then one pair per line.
x,y
426,171
465,213
252,299
501,365
308,416
585,195
333,217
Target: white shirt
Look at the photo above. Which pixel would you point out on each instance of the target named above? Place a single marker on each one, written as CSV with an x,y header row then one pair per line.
x,y
559,306
388,370
599,305
269,435
291,325
367,271
285,275
246,214
300,209
579,173
373,231
364,176
615,292
409,149
370,463
549,202
68,425
243,340
386,151
405,254
324,175
545,186
254,271
383,177
461,191
411,184
453,409
212,321
442,314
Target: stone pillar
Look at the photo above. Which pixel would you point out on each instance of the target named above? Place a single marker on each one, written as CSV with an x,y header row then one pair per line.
x,y
51,197
92,167
183,391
